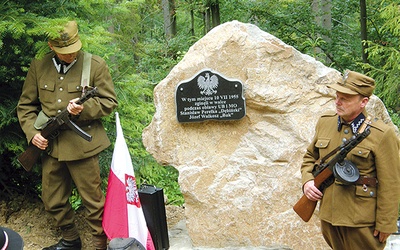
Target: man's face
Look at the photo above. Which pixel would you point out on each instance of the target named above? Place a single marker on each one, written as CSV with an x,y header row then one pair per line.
x,y
68,58
349,106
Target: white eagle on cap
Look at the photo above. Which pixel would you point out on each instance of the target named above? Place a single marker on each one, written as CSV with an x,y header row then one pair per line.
x,y
345,76
207,84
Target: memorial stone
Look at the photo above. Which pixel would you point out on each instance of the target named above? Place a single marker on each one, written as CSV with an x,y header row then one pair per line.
x,y
240,179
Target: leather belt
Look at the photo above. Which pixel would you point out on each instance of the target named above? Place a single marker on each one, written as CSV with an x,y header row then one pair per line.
x,y
366,180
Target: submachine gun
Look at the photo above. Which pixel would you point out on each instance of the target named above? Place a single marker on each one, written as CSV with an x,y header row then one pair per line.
x,y
51,130
337,166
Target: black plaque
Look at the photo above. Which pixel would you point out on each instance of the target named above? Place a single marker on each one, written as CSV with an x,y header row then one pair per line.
x,y
209,96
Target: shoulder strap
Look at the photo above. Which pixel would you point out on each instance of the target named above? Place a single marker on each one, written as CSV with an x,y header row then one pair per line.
x,y
87,61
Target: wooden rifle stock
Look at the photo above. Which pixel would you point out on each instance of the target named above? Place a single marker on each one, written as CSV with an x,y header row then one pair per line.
x,y
305,207
31,155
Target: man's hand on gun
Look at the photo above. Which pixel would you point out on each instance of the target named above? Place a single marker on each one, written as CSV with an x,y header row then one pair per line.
x,y
39,141
73,108
312,192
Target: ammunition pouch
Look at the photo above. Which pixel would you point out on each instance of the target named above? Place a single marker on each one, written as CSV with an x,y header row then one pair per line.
x,y
41,121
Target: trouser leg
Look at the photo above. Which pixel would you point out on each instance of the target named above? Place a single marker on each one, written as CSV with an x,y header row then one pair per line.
x,y
56,190
86,176
350,238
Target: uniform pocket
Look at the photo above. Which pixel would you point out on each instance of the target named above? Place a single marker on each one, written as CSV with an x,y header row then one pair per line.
x,y
361,151
46,92
365,191
322,145
322,142
365,204
49,86
74,90
362,157
74,87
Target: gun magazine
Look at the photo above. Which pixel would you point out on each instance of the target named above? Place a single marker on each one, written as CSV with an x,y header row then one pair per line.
x,y
54,135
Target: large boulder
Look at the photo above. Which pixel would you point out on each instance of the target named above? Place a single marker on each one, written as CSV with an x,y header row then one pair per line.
x,y
240,178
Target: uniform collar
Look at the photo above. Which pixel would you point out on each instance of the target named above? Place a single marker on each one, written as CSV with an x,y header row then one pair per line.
x,y
355,124
61,67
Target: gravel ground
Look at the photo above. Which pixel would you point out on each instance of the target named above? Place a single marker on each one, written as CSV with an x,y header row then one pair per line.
x,y
29,219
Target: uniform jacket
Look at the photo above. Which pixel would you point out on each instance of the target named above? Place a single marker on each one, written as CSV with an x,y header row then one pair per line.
x,y
376,156
46,89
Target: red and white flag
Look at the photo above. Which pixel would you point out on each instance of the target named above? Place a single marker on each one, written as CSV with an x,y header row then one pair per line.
x,y
123,214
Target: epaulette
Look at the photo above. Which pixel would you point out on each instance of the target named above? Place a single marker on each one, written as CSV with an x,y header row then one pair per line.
x,y
329,114
379,124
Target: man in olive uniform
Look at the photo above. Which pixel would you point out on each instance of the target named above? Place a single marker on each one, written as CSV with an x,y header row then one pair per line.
x,y
363,214
53,84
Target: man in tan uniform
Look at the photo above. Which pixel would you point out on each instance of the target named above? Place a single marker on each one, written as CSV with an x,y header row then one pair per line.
x,y
358,215
52,84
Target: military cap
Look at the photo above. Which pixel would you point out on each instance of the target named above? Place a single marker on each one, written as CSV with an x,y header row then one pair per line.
x,y
125,244
68,42
354,83
11,240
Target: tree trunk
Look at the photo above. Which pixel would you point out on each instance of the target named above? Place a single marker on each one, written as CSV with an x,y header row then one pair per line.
x,y
323,17
113,57
363,24
168,7
207,20
215,14
192,23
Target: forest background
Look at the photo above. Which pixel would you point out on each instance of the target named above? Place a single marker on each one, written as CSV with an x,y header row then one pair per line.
x,y
142,40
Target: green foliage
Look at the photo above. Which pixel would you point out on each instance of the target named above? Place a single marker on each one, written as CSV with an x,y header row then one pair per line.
x,y
384,57
395,117
27,38
16,52
294,23
149,172
75,199
158,58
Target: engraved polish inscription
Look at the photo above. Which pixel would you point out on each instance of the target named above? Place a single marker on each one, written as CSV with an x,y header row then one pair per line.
x,y
209,96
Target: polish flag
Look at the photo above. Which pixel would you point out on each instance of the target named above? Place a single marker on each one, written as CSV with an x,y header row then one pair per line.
x,y
123,214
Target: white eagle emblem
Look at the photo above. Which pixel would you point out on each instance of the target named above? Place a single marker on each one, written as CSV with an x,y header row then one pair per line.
x,y
132,196
207,84
345,76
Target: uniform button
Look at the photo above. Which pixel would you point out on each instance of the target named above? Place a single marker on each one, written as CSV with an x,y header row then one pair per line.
x,y
371,193
61,89
89,126
360,152
77,87
59,111
59,100
61,78
344,140
346,131
45,86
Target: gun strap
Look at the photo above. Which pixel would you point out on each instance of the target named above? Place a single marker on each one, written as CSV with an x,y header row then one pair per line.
x,y
362,128
87,61
330,154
